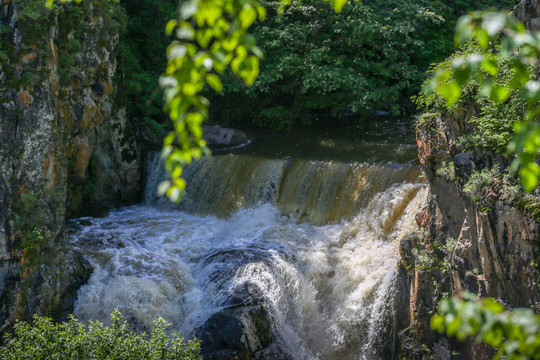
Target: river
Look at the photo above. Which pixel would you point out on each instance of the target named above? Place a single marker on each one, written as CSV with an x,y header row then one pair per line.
x,y
311,227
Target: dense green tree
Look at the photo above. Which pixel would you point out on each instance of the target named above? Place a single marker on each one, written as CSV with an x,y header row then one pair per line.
x,y
320,65
142,58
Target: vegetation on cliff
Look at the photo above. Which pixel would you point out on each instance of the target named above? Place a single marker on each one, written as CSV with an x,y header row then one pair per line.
x,y
484,101
499,72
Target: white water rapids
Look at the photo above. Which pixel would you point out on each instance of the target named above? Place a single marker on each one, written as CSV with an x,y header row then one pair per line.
x,y
328,288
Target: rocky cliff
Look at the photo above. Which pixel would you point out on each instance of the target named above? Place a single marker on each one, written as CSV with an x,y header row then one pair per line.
x,y
66,149
477,235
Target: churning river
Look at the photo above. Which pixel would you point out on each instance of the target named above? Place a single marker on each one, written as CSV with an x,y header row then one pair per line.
x,y
311,229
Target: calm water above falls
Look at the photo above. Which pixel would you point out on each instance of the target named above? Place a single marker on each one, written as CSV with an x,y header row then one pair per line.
x,y
317,238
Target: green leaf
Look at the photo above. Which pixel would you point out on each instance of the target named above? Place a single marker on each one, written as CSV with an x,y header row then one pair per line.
x,y
163,187
171,25
249,69
483,38
462,75
174,194
529,175
490,66
499,94
437,323
463,30
214,82
493,22
247,16
177,172
189,8
339,4
450,92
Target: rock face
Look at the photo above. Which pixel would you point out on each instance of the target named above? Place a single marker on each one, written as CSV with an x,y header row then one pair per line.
x,y
488,247
66,149
528,11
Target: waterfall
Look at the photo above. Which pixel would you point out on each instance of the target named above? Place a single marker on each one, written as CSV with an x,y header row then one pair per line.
x,y
318,240
315,191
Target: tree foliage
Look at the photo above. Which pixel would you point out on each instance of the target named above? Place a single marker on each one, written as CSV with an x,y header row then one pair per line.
x,y
73,340
141,58
320,67
516,333
319,64
520,49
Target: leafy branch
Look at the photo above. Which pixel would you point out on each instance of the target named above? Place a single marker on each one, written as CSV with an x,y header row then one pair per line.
x,y
501,39
516,333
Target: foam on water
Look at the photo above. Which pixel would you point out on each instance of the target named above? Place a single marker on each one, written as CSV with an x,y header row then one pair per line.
x,y
328,288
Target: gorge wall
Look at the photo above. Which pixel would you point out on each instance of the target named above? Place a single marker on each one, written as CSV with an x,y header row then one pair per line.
x,y
485,244
66,146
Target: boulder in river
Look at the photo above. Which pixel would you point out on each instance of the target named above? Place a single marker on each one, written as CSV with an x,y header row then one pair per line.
x,y
240,331
219,137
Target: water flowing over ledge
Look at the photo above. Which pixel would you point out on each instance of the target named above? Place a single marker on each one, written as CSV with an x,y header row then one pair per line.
x,y
308,190
316,243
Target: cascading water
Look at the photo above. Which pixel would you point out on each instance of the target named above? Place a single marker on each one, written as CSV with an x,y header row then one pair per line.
x,y
316,240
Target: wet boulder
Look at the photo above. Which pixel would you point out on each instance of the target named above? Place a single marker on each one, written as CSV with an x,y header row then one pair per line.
x,y
241,330
219,137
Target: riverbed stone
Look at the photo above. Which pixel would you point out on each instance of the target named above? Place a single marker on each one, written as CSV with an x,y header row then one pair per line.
x,y
219,137
240,330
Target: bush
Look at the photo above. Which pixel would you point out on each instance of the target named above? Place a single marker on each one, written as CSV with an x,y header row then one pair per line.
x,y
479,181
74,340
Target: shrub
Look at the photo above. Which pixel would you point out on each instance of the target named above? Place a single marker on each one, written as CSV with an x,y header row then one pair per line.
x,y
479,180
74,340
447,171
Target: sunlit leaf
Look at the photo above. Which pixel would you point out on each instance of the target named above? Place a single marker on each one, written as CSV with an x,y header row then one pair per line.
x,y
499,94
450,92
163,187
339,4
171,25
490,66
529,175
463,30
214,81
483,38
494,22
